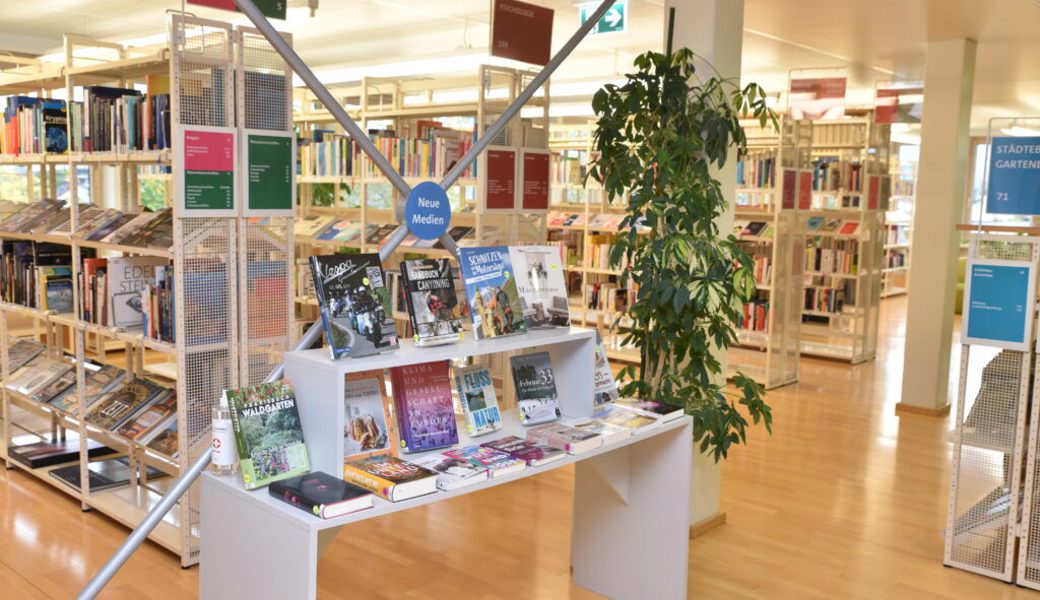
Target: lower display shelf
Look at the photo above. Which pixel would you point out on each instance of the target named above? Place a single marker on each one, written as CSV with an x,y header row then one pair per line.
x,y
44,474
130,504
232,484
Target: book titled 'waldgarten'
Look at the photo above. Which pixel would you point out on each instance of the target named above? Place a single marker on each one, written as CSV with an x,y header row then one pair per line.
x,y
268,433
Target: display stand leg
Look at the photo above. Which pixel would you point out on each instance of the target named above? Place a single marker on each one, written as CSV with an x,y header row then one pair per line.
x,y
247,554
632,508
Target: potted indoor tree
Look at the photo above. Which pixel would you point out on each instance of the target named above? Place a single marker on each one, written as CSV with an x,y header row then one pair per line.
x,y
660,137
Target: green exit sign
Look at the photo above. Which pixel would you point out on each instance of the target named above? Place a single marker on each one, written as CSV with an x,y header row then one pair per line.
x,y
614,21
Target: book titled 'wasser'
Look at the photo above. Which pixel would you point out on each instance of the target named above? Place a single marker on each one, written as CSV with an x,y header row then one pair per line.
x,y
321,495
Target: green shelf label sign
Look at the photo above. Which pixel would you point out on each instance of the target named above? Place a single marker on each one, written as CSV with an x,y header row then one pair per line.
x,y
270,163
615,21
209,190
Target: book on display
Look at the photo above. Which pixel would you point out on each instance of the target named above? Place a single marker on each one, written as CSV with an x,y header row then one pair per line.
x,y
529,451
268,433
633,421
355,304
564,437
478,399
433,308
497,463
540,284
453,473
39,372
153,418
425,413
321,495
664,412
165,440
609,432
121,404
98,381
366,418
535,388
55,388
47,454
127,276
390,477
604,386
103,474
494,303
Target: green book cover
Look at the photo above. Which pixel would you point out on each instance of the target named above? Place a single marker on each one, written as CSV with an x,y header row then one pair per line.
x,y
268,433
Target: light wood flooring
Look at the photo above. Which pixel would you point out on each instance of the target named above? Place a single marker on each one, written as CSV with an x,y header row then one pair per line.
x,y
845,500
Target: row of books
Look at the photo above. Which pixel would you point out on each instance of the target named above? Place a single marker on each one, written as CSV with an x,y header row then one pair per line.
x,y
831,260
36,275
137,409
831,174
96,224
894,260
132,292
568,168
825,299
600,221
756,172
508,290
836,226
608,297
896,234
756,316
331,154
334,229
763,269
108,119
599,251
570,244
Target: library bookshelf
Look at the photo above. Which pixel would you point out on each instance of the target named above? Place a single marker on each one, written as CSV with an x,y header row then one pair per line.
x,y
215,262
583,223
766,224
844,238
895,266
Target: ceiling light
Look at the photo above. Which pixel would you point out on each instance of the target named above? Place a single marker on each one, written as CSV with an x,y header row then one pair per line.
x,y
1019,131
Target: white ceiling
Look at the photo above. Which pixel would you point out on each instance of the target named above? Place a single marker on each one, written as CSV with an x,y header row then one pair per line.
x,y
877,40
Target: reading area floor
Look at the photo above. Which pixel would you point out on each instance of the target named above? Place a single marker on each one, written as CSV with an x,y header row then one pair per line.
x,y
845,500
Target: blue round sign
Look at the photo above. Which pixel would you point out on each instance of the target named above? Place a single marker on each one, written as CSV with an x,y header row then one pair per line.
x,y
427,212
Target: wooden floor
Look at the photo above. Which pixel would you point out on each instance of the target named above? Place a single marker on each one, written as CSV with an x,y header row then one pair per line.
x,y
845,500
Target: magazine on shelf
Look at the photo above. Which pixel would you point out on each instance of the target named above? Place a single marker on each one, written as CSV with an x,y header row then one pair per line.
x,y
535,386
494,303
540,283
355,304
268,433
433,308
478,399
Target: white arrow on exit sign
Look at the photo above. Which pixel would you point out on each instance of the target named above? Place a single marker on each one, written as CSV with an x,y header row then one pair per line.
x,y
614,21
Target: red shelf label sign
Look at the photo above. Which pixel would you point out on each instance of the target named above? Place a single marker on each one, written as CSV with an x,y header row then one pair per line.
x,y
521,31
272,9
536,181
501,180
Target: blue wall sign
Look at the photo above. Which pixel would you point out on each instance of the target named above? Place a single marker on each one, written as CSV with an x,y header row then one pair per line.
x,y
427,211
1014,176
998,304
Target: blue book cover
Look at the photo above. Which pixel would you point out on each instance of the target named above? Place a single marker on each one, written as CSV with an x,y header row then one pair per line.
x,y
491,291
355,304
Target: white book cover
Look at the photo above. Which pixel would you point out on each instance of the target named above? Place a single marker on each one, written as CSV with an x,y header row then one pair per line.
x,y
365,430
452,473
604,386
127,276
541,285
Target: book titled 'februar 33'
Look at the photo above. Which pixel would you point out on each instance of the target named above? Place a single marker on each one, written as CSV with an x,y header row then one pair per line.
x,y
268,433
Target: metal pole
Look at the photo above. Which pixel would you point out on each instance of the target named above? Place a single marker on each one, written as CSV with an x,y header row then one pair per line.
x,y
155,516
451,176
322,93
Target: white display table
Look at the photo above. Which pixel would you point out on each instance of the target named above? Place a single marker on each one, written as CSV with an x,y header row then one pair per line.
x,y
631,498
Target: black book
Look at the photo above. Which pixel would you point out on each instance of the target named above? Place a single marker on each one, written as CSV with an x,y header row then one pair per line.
x,y
103,474
432,304
45,454
355,304
321,494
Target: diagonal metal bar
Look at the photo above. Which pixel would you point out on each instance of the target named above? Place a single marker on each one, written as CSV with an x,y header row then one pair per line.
x,y
322,93
514,108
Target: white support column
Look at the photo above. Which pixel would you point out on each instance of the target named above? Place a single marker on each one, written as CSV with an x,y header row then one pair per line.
x,y
941,184
714,30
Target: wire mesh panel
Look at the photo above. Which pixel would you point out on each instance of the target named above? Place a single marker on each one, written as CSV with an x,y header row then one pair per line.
x,y
986,492
205,270
264,83
1029,549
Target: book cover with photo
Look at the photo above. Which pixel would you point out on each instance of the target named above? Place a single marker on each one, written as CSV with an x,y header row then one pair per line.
x,y
355,304
268,433
478,399
453,473
432,305
535,388
99,380
127,276
540,283
604,386
531,452
495,462
122,404
365,416
425,413
494,303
